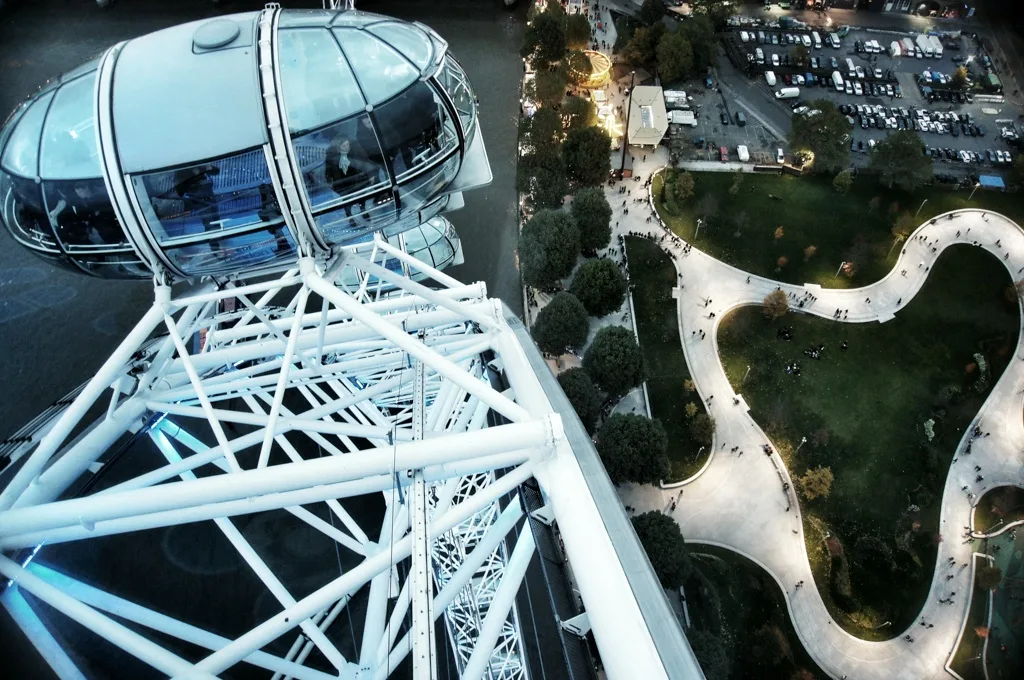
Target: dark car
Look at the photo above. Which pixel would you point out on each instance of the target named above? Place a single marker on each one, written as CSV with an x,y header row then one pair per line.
x,y
988,153
954,130
981,131
725,118
860,145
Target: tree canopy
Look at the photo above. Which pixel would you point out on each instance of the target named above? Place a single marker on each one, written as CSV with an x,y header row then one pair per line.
x,y
545,39
663,542
700,31
582,394
561,325
675,56
652,11
959,79
632,449
579,113
642,48
587,155
702,429
826,135
544,129
577,32
801,56
548,246
541,174
710,652
579,67
776,304
816,483
676,190
549,86
899,159
600,286
770,645
593,217
614,360
843,181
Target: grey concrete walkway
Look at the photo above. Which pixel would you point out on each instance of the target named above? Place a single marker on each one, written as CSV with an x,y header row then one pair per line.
x,y
739,502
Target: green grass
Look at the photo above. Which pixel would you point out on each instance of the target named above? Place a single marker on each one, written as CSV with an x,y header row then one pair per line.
x,y
964,662
842,228
863,412
653,276
748,599
999,506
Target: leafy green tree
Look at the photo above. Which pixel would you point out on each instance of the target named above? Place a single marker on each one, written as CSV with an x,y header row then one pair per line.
x,y
593,217
843,181
676,190
642,48
600,286
801,56
579,67
702,429
541,175
614,361
577,32
988,577
652,11
899,159
710,653
582,394
579,113
663,542
587,156
770,645
561,325
775,305
549,86
675,56
632,449
544,130
690,409
548,247
816,483
545,40
826,135
700,31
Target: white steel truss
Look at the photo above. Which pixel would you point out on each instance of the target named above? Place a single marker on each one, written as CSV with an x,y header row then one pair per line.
x,y
297,397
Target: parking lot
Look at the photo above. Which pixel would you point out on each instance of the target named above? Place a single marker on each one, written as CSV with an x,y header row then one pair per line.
x,y
711,105
888,111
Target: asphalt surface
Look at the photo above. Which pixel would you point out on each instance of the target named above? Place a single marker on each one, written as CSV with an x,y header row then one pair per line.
x,y
57,327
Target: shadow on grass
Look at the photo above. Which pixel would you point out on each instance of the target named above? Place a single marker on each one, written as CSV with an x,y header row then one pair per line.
x,y
653,276
997,507
738,601
967,658
886,416
820,228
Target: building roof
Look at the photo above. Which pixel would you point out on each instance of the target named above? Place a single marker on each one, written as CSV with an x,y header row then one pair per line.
x,y
648,120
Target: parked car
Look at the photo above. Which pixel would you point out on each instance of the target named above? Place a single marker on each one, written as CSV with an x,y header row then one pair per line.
x,y
725,118
779,156
723,152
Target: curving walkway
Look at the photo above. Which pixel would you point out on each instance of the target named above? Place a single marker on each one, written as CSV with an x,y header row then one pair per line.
x,y
738,501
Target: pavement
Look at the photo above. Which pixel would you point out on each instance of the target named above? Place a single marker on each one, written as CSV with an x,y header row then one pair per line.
x,y
738,501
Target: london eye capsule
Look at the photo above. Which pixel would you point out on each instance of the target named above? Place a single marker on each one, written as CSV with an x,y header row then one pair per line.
x,y
232,145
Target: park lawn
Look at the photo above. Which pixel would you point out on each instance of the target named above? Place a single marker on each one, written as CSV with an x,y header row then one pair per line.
x,y
1002,505
653,276
749,599
863,412
965,660
841,228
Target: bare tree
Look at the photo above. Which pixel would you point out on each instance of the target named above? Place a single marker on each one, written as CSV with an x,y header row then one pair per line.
x,y
776,304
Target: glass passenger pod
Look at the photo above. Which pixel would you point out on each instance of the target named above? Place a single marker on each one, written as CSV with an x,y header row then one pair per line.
x,y
375,142
434,242
52,195
217,216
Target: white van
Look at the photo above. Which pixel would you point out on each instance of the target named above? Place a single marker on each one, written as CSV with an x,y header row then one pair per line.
x,y
837,81
806,40
759,55
851,71
769,77
817,40
743,36
833,40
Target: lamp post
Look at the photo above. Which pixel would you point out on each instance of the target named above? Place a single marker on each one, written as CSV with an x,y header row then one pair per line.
x,y
745,374
625,133
697,233
841,265
919,207
976,185
803,440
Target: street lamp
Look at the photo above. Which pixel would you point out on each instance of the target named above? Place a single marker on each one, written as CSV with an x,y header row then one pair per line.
x,y
803,440
745,375
843,264
919,207
697,233
625,134
976,185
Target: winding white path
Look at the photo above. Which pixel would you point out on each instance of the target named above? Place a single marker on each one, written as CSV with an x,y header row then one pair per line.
x,y
738,501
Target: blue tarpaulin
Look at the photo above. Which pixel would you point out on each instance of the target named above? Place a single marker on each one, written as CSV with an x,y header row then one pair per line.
x,y
991,182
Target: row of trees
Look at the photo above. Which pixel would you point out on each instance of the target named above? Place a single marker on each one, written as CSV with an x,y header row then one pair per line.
x,y
677,54
562,149
551,240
